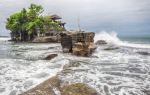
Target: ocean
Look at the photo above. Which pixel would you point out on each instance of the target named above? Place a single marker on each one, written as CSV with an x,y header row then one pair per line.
x,y
123,69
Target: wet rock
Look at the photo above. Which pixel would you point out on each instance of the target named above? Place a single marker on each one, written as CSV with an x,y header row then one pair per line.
x,y
111,48
146,92
45,88
66,42
50,39
78,43
78,89
2,90
143,53
101,42
51,56
13,92
83,49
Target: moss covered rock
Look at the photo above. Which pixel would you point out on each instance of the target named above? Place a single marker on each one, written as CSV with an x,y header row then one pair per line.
x,y
78,89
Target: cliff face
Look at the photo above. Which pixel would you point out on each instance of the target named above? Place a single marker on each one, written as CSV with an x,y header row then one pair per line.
x,y
78,43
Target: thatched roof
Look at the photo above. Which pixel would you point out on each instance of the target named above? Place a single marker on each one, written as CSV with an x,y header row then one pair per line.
x,y
55,17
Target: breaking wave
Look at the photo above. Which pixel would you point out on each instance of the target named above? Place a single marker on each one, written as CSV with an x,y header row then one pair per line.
x,y
112,39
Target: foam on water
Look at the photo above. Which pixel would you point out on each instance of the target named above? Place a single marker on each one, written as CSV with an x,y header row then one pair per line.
x,y
24,67
120,71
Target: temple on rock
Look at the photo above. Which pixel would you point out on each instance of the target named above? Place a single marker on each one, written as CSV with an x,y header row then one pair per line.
x,y
52,31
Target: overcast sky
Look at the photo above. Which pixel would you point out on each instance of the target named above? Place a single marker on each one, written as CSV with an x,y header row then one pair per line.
x,y
123,16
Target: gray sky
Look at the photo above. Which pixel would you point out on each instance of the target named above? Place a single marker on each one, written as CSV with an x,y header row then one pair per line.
x,y
123,16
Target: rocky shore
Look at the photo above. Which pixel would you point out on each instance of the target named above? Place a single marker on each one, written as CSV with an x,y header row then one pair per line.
x,y
78,43
53,86
57,86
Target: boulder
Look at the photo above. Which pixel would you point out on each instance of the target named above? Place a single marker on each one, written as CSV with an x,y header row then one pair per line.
x,y
45,88
51,56
101,42
112,47
78,89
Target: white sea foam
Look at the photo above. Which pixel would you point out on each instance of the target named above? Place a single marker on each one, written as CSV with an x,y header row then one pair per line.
x,y
116,72
112,39
4,38
21,72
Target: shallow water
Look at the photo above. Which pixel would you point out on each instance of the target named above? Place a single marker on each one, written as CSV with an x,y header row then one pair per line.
x,y
122,71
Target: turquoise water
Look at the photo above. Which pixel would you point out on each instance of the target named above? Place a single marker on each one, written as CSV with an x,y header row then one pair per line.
x,y
136,39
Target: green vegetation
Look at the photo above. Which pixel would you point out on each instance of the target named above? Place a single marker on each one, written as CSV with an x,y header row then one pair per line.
x,y
27,24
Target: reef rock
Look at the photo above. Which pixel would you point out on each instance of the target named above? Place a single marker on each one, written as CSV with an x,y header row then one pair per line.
x,y
101,42
48,39
78,89
51,56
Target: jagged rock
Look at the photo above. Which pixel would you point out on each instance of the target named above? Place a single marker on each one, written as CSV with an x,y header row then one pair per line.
x,y
51,56
50,39
78,89
66,42
101,42
71,39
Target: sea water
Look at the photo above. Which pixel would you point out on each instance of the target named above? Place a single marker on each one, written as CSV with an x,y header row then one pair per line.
x,y
123,70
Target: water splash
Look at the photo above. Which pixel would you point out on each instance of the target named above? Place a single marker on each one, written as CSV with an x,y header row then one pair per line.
x,y
112,39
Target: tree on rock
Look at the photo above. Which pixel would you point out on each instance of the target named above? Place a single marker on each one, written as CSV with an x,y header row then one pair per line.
x,y
26,24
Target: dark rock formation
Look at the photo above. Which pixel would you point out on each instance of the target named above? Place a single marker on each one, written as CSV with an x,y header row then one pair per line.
x,y
78,43
66,42
51,56
101,42
78,89
143,53
50,39
111,48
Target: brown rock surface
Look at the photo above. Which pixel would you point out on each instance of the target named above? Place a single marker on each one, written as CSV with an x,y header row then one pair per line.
x,y
70,40
48,86
83,49
45,88
78,89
